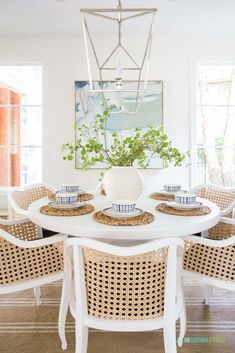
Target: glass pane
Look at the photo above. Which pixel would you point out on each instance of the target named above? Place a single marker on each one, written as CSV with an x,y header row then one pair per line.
x,y
4,126
31,126
10,161
215,85
222,171
20,166
216,124
24,82
21,126
31,165
201,166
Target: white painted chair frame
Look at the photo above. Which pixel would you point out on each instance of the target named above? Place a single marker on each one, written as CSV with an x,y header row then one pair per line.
x,y
229,209
207,280
12,204
174,306
34,284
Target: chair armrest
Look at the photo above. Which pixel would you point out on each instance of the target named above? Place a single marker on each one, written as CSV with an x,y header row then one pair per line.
x,y
227,220
211,242
32,243
228,209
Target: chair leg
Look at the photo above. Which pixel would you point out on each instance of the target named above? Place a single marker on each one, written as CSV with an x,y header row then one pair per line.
x,y
169,334
207,293
37,294
81,338
183,316
64,304
183,325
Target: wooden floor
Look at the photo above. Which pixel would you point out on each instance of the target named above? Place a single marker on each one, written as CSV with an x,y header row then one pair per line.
x,y
26,328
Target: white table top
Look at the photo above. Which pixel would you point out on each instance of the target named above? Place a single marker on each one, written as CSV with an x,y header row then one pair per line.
x,y
163,225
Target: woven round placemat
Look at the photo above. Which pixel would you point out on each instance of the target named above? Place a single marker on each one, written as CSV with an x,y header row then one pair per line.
x,y
78,211
81,197
161,197
145,218
172,211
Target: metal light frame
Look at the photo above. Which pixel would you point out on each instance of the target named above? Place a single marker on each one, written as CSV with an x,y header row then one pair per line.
x,y
105,14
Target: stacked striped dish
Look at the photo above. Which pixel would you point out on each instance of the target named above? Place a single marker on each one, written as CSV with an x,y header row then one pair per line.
x,y
66,198
123,209
123,206
172,188
184,201
66,201
71,188
185,198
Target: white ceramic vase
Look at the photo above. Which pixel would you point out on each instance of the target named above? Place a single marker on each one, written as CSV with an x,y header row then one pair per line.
x,y
123,183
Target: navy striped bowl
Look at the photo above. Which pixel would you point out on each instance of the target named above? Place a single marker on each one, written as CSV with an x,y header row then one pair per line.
x,y
70,188
185,197
172,187
123,206
66,198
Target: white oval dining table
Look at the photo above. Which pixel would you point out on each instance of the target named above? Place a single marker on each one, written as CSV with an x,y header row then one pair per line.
x,y
163,226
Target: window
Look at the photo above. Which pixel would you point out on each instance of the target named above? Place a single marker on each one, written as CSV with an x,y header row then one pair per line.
x,y
20,125
216,124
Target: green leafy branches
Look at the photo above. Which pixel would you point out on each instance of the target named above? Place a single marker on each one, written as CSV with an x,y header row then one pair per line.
x,y
141,147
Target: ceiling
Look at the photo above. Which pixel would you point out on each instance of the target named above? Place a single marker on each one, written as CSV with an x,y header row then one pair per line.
x,y
32,17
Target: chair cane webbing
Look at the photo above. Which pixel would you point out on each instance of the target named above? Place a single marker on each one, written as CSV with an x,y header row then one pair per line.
x,y
23,264
215,262
220,198
25,197
125,287
23,231
221,231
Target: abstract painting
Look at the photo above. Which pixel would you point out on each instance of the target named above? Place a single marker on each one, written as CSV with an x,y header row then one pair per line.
x,y
150,112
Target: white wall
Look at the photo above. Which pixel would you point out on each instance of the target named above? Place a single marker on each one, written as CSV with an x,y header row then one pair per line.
x,y
64,62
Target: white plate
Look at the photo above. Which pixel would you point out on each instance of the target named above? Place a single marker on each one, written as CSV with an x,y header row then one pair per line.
x,y
182,206
66,206
75,192
114,214
164,192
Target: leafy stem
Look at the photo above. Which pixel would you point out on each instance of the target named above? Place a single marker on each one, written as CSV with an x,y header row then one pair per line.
x,y
138,148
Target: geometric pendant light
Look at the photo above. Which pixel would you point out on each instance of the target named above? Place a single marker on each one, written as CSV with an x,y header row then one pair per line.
x,y
120,73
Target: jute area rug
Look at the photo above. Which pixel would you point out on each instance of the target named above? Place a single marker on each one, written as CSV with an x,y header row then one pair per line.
x,y
27,328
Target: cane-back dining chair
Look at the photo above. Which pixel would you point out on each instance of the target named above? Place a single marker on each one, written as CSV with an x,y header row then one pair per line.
x,y
124,289
20,199
222,196
212,260
27,261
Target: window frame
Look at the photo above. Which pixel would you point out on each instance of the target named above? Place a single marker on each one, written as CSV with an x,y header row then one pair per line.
x,y
43,106
194,63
